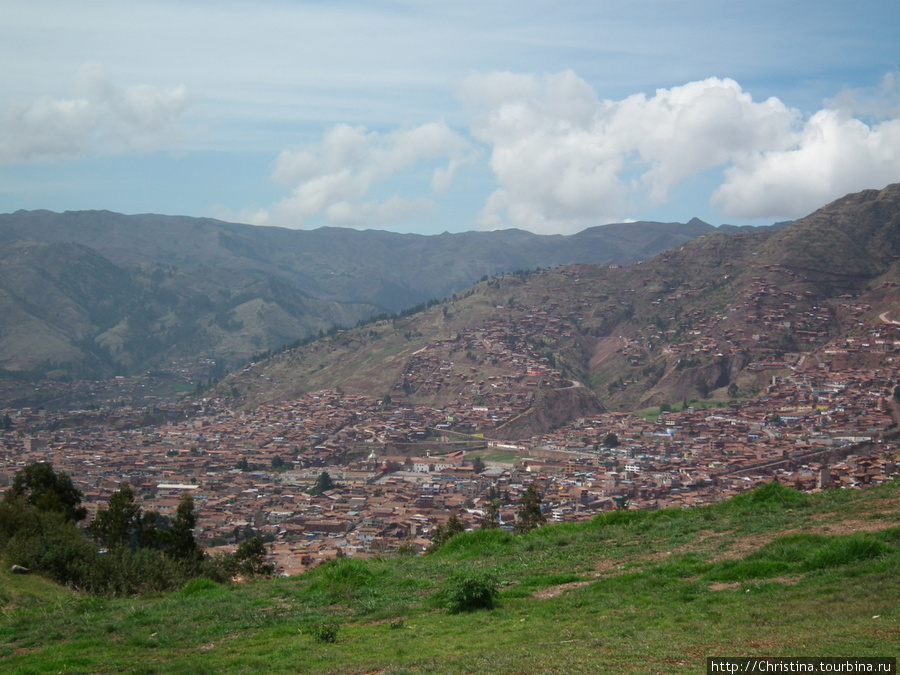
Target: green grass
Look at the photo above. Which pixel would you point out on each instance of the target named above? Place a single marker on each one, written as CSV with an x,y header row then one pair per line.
x,y
652,414
500,456
630,592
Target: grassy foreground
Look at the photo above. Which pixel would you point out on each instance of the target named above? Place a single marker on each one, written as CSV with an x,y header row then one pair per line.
x,y
772,572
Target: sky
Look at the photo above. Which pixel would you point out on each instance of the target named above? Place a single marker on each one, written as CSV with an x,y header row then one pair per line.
x,y
426,117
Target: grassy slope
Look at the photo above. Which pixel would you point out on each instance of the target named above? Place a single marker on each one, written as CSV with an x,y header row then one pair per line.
x,y
639,592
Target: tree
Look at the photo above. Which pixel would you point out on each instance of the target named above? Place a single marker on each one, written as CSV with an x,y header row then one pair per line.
x,y
277,463
491,518
477,465
611,440
529,515
323,484
6,423
44,489
445,532
118,524
182,545
153,531
251,558
733,390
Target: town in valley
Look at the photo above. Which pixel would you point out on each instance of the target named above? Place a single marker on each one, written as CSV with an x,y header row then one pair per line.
x,y
396,467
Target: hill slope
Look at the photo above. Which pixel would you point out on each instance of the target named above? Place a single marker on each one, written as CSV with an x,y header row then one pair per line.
x,y
769,573
159,288
692,321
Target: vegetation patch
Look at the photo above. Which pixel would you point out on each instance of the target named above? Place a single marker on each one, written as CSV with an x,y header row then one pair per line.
x,y
492,601
469,590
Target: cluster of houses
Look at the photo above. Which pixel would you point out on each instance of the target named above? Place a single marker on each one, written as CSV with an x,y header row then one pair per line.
x,y
400,466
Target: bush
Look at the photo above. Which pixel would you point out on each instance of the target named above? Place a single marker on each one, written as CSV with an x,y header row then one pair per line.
x,y
52,547
325,631
221,568
251,558
122,572
471,590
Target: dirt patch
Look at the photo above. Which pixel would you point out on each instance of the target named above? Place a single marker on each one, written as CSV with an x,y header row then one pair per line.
x,y
850,526
555,591
704,537
604,349
747,544
605,567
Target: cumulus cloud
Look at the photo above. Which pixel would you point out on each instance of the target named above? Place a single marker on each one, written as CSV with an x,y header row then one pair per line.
x,y
103,118
833,155
336,178
565,160
851,145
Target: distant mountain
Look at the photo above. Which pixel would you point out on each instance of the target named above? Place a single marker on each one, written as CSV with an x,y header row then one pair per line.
x,y
713,317
92,293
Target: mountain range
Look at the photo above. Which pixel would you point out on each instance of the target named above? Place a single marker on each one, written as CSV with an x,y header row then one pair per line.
x,y
90,294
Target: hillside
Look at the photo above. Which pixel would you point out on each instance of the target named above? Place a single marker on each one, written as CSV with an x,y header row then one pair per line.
x,y
70,311
94,293
770,572
692,322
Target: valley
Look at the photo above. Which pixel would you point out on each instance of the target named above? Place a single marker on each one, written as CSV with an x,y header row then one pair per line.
x,y
679,381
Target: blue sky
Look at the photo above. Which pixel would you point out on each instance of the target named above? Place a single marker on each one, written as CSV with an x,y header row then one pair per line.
x,y
433,116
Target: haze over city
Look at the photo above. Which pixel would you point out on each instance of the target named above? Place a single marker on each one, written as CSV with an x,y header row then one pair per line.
x,y
425,117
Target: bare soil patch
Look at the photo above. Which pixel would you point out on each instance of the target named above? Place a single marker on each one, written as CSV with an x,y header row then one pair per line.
x,y
555,591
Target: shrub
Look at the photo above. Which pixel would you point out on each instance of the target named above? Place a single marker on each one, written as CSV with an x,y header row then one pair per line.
x,y
471,590
407,547
123,572
251,558
220,568
325,631
53,547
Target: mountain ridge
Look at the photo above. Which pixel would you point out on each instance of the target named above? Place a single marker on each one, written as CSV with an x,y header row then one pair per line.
x,y
204,288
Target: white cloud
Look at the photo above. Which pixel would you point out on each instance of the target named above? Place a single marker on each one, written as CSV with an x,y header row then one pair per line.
x,y
697,126
103,119
566,160
334,179
833,155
